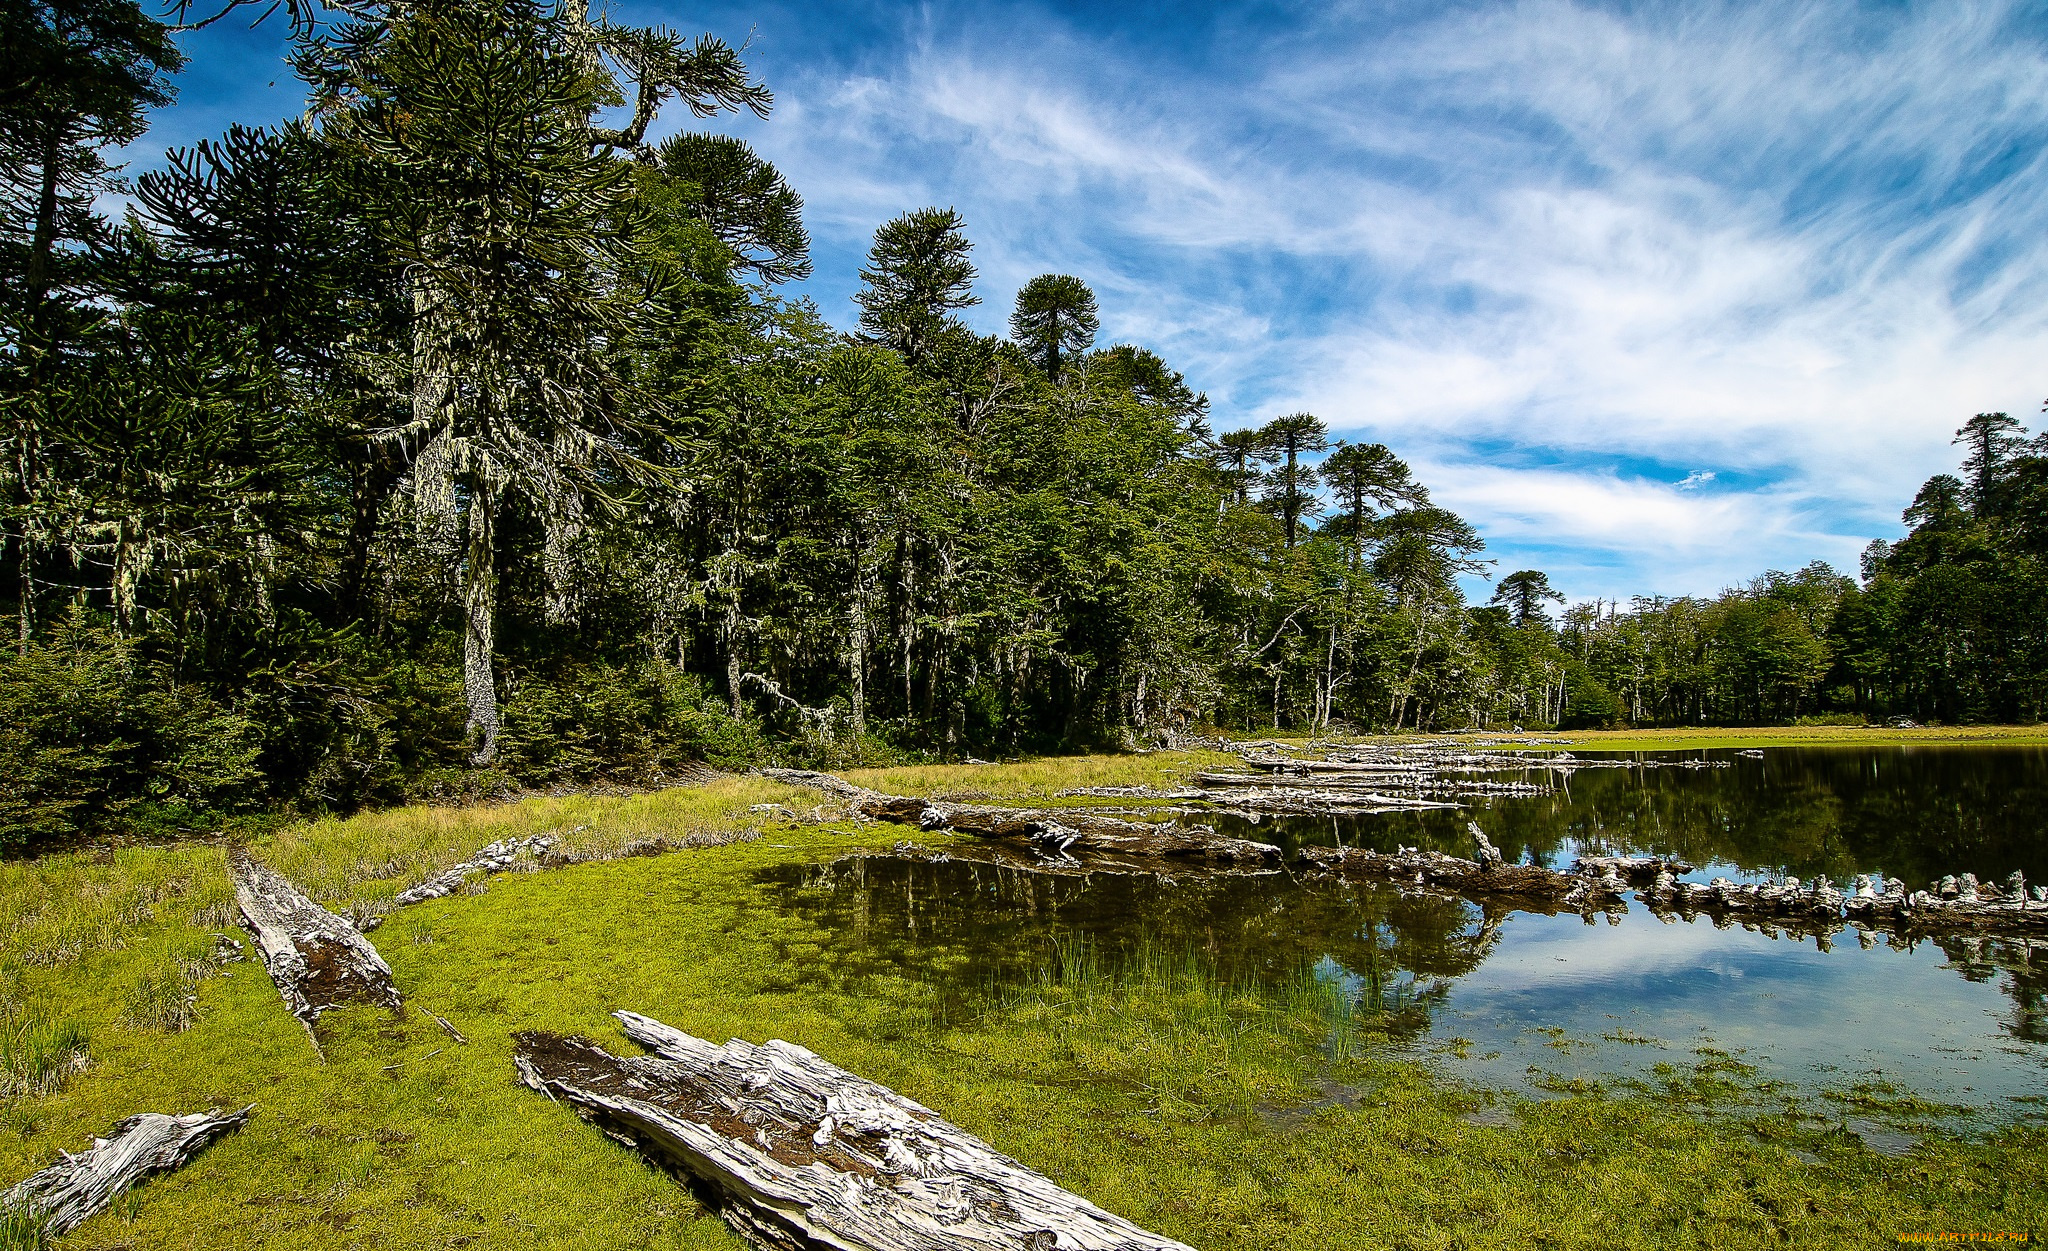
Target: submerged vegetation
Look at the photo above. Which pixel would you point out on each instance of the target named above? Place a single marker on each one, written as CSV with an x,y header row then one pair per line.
x,y
454,441
1224,1109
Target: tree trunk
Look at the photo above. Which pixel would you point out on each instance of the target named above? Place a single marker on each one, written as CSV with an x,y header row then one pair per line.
x,y
317,959
24,552
857,662
1054,834
39,276
79,1185
800,1154
479,616
39,345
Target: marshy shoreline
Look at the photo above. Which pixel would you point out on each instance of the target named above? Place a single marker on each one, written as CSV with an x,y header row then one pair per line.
x,y
1218,1109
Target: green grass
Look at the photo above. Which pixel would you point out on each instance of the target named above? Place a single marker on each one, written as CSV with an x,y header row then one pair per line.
x,y
1683,738
1030,781
1806,736
1227,1115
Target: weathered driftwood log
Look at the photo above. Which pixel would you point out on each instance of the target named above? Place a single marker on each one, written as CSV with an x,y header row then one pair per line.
x,y
1595,882
1134,792
1434,870
495,857
1053,833
799,1153
77,1186
1011,856
317,959
1440,763
1953,905
534,853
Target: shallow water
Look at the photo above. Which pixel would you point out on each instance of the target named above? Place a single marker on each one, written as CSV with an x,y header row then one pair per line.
x,y
1514,999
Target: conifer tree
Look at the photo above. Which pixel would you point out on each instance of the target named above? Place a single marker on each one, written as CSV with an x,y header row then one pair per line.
x,y
1290,488
917,277
81,77
1523,594
1054,321
474,131
742,200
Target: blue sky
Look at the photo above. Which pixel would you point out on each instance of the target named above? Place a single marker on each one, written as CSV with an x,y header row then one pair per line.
x,y
1656,295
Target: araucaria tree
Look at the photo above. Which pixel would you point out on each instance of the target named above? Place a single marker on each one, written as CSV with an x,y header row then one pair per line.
x,y
1523,594
1055,321
917,277
458,437
511,215
1291,487
81,76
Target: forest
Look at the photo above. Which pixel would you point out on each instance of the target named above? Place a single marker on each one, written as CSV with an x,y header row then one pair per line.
x,y
459,438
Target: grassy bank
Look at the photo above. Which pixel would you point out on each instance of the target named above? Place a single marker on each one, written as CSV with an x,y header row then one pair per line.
x,y
1683,738
1679,738
1227,1115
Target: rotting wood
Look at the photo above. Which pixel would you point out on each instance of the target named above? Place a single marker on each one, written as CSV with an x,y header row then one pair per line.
x,y
530,855
1601,883
1007,856
1954,904
317,959
492,858
77,1186
797,1153
1054,834
1442,873
1343,786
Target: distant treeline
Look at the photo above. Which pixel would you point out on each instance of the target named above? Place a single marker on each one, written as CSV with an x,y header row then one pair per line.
x,y
1948,624
454,440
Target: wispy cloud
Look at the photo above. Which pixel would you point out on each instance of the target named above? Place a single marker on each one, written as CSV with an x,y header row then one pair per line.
x,y
1657,293
1785,247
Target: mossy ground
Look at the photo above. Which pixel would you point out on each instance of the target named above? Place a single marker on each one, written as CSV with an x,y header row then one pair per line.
x,y
1227,1116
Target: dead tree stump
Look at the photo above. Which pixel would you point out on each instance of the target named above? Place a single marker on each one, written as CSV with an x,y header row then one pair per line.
x,y
317,959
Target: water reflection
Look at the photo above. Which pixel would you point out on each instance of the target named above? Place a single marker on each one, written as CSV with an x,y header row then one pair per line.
x,y
1959,1020
1915,813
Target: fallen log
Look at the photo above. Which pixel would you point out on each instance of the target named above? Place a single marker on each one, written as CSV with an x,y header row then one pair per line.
x,y
1437,871
531,855
797,1153
1953,905
1009,856
1594,883
317,959
1053,833
58,1198
498,857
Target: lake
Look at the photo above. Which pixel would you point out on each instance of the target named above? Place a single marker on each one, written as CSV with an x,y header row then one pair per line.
x,y
1528,1002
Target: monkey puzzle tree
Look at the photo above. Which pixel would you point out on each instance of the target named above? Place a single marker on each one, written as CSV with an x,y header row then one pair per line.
x,y
81,77
917,277
1523,594
1367,478
742,200
472,133
1239,454
1055,320
1291,486
1990,441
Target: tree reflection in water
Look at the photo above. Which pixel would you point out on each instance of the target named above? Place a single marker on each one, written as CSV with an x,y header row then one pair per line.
x,y
967,927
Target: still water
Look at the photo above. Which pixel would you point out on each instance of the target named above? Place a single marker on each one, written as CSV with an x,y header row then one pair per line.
x,y
1524,1001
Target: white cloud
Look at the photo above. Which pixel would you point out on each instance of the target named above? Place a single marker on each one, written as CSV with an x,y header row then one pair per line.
x,y
1783,248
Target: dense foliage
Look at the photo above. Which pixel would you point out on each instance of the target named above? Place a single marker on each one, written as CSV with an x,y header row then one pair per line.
x,y
453,440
